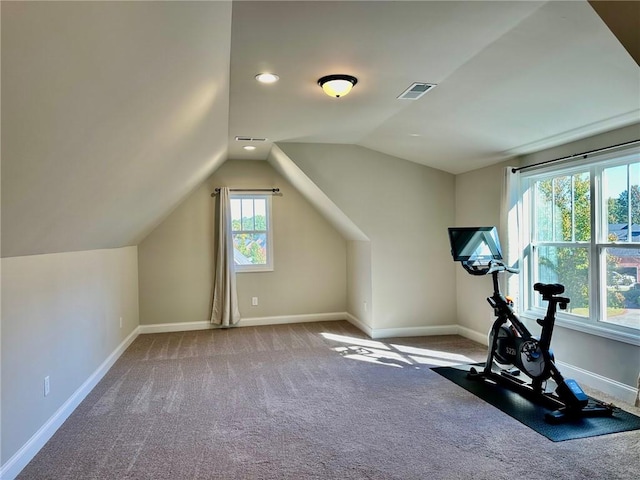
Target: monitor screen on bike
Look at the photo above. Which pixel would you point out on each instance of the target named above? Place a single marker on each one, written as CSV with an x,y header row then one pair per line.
x,y
474,244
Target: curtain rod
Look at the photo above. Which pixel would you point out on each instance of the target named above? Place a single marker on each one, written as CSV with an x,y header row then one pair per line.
x,y
272,190
569,157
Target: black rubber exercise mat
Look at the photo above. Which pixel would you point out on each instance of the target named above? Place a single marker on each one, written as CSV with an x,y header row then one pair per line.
x,y
532,415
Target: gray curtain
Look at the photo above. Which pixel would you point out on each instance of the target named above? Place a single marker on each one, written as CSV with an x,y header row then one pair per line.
x,y
225,310
510,229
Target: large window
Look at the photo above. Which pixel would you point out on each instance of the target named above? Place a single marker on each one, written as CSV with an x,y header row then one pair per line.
x,y
251,232
582,229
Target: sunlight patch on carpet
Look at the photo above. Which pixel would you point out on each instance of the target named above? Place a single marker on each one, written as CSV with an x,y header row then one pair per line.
x,y
392,355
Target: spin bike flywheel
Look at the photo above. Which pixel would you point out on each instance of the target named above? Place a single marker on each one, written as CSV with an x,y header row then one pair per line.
x,y
526,355
531,358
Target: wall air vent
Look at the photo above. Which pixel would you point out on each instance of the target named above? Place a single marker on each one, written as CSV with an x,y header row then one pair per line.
x,y
249,139
416,90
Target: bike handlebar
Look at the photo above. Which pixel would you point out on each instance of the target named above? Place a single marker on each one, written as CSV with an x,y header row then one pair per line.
x,y
497,266
494,266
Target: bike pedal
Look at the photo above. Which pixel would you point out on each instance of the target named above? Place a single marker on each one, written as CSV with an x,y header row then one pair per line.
x,y
557,416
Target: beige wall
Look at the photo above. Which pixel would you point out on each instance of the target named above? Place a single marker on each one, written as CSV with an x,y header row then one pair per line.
x,y
176,260
359,297
404,209
478,196
60,318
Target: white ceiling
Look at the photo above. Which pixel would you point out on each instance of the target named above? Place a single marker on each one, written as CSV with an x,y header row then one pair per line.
x,y
112,112
513,77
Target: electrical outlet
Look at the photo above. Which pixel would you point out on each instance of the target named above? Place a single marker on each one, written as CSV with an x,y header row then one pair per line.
x,y
254,301
365,306
120,322
46,386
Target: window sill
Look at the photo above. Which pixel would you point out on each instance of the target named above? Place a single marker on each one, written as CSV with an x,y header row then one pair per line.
x,y
591,329
254,270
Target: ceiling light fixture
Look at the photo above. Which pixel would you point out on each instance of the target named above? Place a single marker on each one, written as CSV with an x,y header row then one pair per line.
x,y
337,85
267,77
249,147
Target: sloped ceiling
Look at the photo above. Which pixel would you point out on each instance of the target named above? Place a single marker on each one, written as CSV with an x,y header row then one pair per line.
x,y
112,112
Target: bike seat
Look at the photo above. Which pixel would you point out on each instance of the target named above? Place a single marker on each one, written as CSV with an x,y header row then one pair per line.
x,y
549,289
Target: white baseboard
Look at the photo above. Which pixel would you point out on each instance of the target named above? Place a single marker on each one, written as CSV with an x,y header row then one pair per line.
x,y
22,457
306,318
426,331
604,384
314,317
473,335
366,329
175,327
245,322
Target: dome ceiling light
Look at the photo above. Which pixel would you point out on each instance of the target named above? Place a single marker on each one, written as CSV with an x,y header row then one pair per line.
x,y
337,85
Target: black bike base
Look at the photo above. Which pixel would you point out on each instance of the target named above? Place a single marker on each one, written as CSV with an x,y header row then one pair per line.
x,y
532,414
594,409
560,412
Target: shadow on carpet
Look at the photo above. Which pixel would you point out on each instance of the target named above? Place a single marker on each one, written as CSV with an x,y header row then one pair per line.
x,y
532,415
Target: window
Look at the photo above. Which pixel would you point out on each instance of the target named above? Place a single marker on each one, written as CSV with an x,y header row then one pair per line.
x,y
581,228
251,232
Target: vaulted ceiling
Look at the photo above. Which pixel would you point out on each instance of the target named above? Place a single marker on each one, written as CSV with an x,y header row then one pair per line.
x,y
112,112
513,77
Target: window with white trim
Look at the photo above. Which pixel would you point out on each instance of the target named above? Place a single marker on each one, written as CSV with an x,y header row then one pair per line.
x,y
581,228
251,232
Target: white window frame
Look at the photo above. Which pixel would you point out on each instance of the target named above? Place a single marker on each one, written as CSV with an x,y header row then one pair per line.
x,y
269,265
594,165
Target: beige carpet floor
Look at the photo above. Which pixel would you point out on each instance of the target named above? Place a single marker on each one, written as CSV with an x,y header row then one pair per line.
x,y
307,401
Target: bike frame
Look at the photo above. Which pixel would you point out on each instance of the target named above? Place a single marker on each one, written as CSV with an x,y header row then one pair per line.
x,y
569,400
505,313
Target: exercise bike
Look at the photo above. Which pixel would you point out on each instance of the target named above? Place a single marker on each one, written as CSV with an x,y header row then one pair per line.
x,y
512,348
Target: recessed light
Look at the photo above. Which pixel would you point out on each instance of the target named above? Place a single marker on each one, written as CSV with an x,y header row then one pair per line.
x,y
267,77
249,147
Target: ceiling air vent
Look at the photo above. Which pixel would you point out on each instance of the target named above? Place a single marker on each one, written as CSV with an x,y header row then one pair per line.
x,y
416,90
249,139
